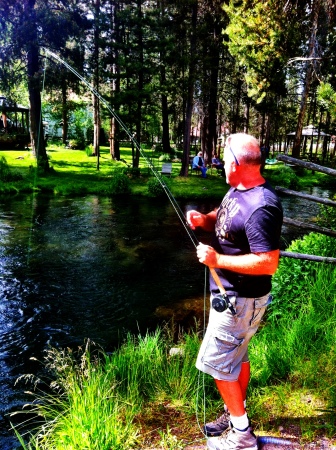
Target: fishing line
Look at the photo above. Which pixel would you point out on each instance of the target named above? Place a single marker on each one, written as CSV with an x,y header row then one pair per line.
x,y
202,376
169,194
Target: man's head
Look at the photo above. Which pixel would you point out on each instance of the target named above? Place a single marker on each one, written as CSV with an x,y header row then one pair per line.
x,y
199,154
242,158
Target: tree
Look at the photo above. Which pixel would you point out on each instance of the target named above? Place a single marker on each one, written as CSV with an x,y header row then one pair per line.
x,y
27,26
212,22
190,91
311,63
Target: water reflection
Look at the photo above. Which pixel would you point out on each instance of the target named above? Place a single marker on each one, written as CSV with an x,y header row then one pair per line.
x,y
92,268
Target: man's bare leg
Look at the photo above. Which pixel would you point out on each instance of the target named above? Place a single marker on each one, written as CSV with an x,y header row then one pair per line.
x,y
234,395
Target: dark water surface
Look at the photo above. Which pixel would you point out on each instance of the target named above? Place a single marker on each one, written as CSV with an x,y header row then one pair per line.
x,y
77,268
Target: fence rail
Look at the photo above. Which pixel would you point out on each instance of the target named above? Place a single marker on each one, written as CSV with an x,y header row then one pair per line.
x,y
300,224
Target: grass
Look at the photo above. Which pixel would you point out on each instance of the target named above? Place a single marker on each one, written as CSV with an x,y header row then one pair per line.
x,y
75,173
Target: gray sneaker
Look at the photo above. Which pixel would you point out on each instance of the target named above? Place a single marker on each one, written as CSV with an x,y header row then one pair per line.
x,y
234,440
218,426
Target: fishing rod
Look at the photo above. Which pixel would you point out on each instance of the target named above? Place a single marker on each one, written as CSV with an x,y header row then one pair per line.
x,y
164,186
220,302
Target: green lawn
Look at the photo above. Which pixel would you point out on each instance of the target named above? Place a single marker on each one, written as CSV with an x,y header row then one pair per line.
x,y
74,172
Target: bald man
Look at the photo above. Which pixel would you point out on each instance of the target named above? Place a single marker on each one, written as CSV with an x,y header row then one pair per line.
x,y
243,256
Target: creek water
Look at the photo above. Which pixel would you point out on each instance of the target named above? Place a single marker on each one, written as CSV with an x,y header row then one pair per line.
x,y
97,268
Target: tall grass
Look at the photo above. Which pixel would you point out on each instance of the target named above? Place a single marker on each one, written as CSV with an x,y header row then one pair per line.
x,y
97,402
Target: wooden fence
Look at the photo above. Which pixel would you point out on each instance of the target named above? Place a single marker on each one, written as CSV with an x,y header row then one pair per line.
x,y
300,224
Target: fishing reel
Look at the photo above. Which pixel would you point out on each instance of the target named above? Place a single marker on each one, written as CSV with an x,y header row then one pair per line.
x,y
221,302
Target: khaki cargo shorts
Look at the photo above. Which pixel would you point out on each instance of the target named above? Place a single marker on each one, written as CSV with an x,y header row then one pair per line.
x,y
225,343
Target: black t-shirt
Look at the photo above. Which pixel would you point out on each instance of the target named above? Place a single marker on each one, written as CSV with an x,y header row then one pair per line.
x,y
248,221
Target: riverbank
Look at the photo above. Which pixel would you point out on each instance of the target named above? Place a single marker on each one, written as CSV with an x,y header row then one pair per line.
x,y
73,172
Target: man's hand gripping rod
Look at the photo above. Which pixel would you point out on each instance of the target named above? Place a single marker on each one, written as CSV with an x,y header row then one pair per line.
x,y
221,302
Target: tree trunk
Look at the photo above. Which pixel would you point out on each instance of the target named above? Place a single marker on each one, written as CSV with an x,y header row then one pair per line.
x,y
212,107
36,125
136,157
190,94
95,100
65,121
309,77
114,125
96,127
236,107
267,129
164,99
164,112
247,116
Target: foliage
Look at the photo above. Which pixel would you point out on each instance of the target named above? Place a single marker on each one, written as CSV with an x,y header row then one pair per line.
x,y
293,280
327,217
6,174
133,172
78,116
120,184
101,397
75,144
259,36
285,176
165,157
89,150
326,95
156,187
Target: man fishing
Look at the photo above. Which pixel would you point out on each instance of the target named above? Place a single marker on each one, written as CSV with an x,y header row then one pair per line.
x,y
243,256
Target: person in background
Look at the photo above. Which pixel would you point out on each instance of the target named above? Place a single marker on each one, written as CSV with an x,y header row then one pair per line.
x,y
244,255
217,164
198,163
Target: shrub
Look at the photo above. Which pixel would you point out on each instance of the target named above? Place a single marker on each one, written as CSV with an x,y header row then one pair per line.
x,y
155,187
294,277
132,171
165,157
158,148
285,177
327,217
77,144
4,169
15,176
6,174
120,184
89,150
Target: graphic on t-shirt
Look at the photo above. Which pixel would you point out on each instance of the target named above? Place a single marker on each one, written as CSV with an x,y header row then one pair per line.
x,y
228,209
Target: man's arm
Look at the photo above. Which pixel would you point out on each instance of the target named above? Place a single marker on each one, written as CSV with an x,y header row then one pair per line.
x,y
264,263
206,221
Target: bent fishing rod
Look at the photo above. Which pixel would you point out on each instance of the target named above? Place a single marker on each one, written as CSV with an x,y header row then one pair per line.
x,y
221,302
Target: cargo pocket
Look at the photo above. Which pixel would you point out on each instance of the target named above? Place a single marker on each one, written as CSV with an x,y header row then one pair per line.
x,y
222,350
260,305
